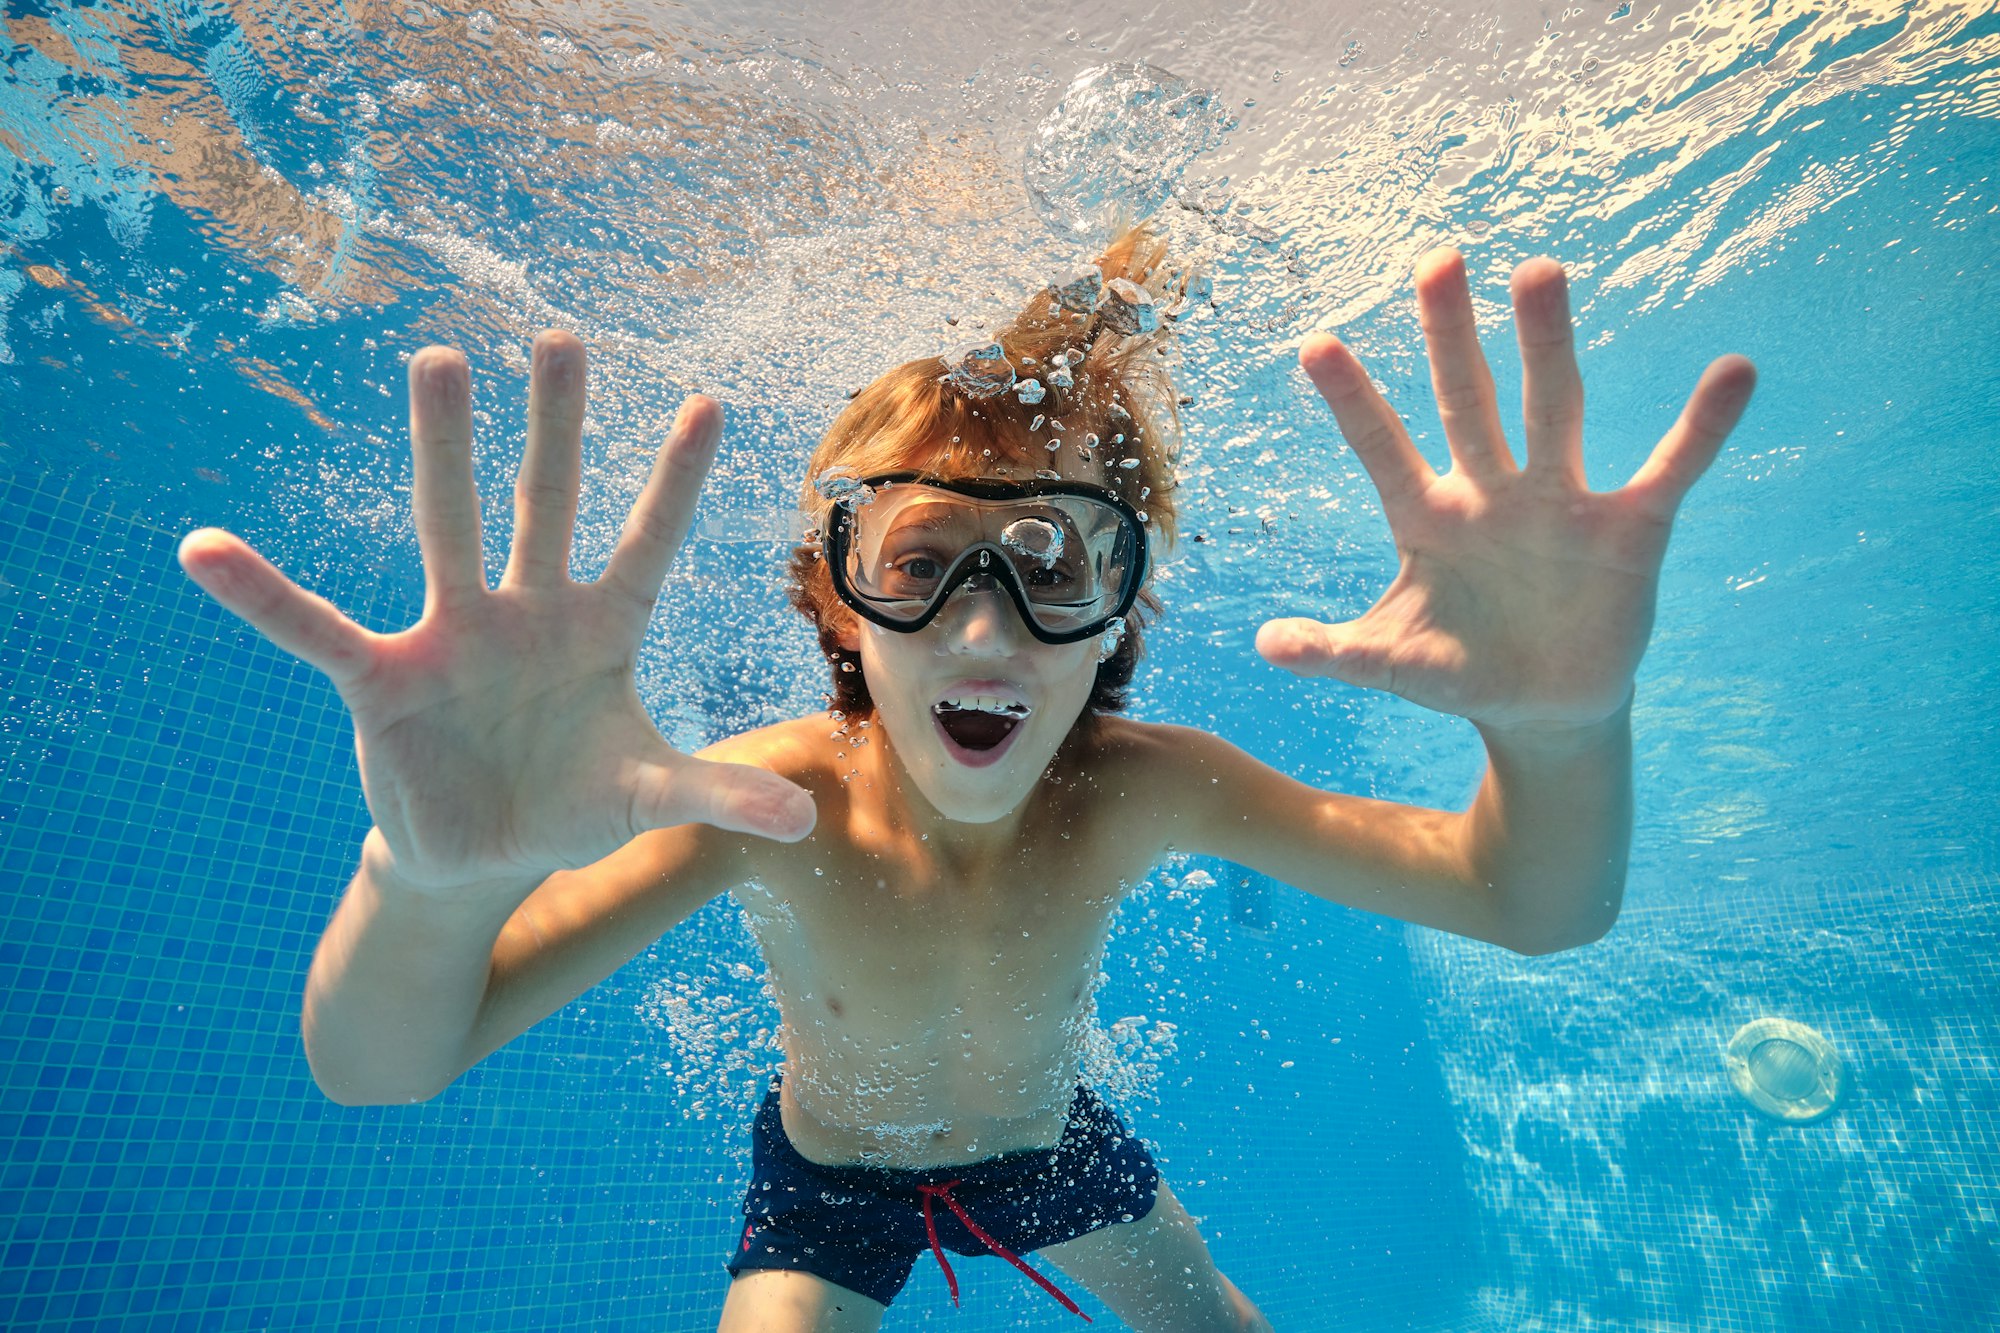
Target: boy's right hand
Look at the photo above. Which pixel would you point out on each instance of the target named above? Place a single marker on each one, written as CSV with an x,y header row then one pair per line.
x,y
502,735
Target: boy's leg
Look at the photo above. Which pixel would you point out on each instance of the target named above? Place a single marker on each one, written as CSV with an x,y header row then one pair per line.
x,y
1156,1274
778,1300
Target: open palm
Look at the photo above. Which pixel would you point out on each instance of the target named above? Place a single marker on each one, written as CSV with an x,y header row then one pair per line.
x,y
502,735
1524,599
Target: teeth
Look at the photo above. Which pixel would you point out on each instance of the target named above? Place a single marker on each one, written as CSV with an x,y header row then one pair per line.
x,y
984,703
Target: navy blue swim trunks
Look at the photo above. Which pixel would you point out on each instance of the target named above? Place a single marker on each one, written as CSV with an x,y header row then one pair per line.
x,y
862,1227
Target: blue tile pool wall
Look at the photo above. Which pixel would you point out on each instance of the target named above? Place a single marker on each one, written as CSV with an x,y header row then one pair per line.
x,y
178,814
1625,1185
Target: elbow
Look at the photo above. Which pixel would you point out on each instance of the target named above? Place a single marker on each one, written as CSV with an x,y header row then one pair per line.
x,y
1542,943
347,1095
1537,929
350,1090
1542,948
344,1075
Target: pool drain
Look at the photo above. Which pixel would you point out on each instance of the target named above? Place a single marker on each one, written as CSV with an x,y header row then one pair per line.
x,y
1785,1069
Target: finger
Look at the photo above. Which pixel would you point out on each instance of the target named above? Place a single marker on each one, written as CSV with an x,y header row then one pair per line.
x,y
1460,377
1685,452
1551,386
446,503
659,520
301,623
1367,422
1309,648
738,797
546,489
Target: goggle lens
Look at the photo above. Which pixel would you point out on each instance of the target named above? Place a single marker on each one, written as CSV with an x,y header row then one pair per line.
x,y
1072,560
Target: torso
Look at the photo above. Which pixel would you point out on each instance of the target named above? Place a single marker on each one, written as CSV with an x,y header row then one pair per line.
x,y
934,1013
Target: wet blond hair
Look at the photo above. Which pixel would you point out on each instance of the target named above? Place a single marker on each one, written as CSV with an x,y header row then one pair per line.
x,y
916,419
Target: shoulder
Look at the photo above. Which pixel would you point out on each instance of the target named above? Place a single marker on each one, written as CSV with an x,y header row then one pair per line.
x,y
806,750
1156,749
1171,768
793,749
1197,790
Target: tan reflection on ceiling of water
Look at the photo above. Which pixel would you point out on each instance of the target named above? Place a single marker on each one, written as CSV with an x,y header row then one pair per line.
x,y
763,214
167,122
1518,141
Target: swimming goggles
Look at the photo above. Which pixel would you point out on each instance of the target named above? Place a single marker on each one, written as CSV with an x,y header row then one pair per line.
x,y
1072,556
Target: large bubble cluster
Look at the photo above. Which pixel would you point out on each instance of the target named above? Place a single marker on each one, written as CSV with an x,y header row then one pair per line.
x,y
980,370
721,1024
1117,144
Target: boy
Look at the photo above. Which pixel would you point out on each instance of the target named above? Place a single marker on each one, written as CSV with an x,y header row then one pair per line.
x,y
932,886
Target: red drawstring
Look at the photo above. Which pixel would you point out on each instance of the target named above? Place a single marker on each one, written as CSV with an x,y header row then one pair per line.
x,y
930,1225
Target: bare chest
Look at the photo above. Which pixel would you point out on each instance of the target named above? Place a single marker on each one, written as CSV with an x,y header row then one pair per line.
x,y
925,1009
896,948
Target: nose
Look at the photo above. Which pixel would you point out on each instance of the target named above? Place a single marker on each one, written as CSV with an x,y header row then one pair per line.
x,y
978,620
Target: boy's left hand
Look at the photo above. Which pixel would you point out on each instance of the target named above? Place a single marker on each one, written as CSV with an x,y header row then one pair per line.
x,y
1525,599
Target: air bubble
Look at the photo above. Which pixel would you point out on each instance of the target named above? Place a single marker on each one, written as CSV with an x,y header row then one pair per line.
x,y
843,489
1128,308
1119,140
1081,291
1034,538
979,370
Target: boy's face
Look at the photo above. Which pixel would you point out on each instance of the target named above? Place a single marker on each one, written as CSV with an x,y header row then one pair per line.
x,y
976,651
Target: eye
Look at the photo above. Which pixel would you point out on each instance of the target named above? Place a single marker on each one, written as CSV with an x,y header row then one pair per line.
x,y
1055,584
1052,577
911,574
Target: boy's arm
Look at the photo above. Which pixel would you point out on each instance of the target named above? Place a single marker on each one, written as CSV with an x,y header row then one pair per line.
x,y
410,987
1523,603
1537,864
1551,829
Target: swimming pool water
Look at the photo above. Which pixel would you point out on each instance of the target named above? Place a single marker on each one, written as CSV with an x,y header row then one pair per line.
x,y
225,229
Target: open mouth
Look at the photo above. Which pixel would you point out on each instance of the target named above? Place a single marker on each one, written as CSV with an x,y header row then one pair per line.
x,y
979,723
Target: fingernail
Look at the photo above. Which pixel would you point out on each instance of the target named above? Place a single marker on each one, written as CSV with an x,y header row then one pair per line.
x,y
557,364
442,372
791,814
766,804
803,811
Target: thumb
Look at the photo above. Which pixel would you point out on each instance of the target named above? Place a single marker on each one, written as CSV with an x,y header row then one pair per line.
x,y
738,797
1310,648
